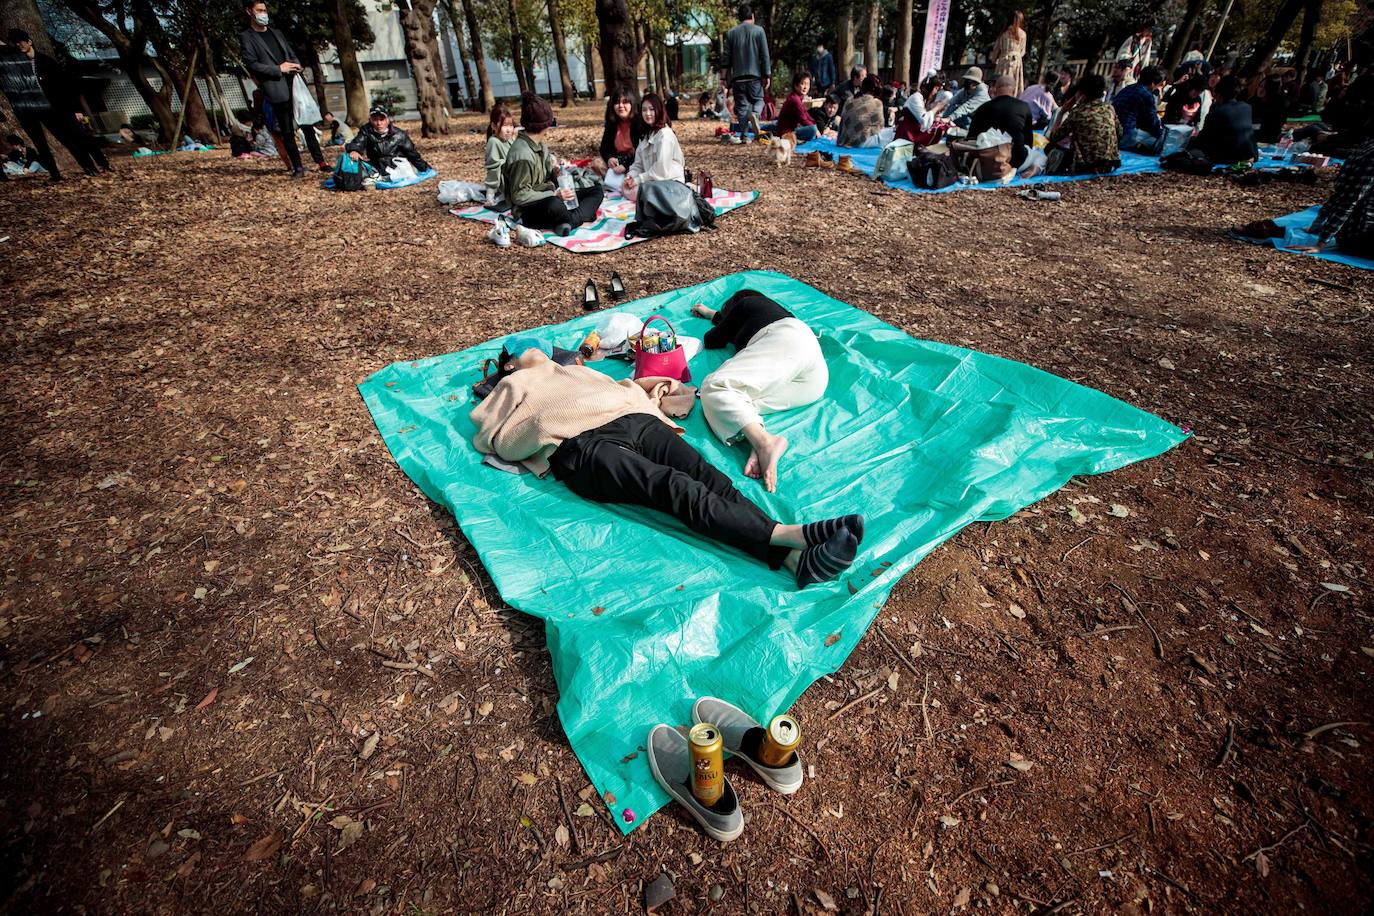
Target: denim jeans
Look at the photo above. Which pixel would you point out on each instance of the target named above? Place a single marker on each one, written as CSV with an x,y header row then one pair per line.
x,y
803,132
1139,141
748,99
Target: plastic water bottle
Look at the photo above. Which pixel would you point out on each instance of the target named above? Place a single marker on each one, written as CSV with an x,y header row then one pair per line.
x,y
1285,143
565,183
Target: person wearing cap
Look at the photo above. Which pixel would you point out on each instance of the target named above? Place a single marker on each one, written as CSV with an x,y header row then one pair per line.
x,y
970,97
274,66
42,96
529,177
379,142
746,68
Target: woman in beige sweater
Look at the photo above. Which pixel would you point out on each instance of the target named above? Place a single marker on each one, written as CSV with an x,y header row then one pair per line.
x,y
609,442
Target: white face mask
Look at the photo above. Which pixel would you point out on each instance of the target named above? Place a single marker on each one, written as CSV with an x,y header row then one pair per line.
x,y
261,18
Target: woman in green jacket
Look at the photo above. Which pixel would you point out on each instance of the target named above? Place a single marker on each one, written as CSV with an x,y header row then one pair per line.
x,y
529,177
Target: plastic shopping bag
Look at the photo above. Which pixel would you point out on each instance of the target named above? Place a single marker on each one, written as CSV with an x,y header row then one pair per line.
x,y
401,170
303,104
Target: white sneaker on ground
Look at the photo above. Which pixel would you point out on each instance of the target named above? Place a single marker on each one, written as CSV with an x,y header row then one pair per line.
x,y
500,234
528,237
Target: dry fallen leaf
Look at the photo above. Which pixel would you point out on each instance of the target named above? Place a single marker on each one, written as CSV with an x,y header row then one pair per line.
x,y
263,848
832,639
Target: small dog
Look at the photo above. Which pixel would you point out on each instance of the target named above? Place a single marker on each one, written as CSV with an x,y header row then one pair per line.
x,y
780,148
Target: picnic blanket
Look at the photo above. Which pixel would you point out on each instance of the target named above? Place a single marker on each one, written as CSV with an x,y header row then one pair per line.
x,y
1295,233
607,231
866,159
384,185
642,616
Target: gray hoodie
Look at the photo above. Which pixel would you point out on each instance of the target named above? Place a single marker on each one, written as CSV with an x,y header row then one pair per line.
x,y
965,102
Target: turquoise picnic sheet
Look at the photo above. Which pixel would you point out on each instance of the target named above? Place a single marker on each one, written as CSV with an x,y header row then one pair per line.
x,y
642,616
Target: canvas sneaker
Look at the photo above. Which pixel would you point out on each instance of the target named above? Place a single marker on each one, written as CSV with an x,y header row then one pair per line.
x,y
670,759
742,733
528,237
500,234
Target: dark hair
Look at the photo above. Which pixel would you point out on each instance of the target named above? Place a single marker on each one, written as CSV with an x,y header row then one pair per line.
x,y
704,97
1151,75
500,114
14,140
1092,87
18,35
798,77
871,86
745,12
1227,87
855,71
660,113
615,97
1050,78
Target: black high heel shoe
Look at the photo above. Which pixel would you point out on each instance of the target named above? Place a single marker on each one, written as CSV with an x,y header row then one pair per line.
x,y
591,299
617,286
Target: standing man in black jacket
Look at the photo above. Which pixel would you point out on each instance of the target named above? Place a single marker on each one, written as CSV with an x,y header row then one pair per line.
x,y
1007,113
274,66
22,77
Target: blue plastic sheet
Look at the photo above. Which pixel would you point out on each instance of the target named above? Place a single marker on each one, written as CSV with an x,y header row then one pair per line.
x,y
384,185
866,160
642,616
1295,233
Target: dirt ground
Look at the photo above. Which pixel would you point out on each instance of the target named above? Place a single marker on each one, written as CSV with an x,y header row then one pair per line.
x,y
218,584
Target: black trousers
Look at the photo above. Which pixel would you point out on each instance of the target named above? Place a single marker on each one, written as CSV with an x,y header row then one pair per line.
x,y
551,213
638,460
63,127
285,116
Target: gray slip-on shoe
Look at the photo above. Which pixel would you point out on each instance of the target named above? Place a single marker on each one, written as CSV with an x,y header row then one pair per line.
x,y
735,730
670,759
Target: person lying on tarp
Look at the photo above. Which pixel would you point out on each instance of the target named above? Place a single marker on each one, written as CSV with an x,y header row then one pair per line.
x,y
609,442
1348,214
379,142
777,366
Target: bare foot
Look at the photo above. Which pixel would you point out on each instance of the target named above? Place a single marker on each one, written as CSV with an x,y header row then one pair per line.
x,y
751,467
768,457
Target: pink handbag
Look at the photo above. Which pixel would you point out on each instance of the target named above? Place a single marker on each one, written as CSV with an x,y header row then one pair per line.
x,y
672,364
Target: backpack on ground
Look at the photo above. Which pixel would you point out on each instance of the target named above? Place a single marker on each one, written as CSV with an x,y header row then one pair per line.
x,y
1188,161
349,175
931,171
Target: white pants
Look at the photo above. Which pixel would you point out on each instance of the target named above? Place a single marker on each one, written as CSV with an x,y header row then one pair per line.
x,y
781,368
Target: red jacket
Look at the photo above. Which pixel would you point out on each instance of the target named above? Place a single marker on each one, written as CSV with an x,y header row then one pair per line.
x,y
793,114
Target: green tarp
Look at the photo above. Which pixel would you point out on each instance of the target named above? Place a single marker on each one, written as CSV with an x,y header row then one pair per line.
x,y
641,616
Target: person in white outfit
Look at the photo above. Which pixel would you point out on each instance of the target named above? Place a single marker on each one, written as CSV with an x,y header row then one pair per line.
x,y
658,156
777,365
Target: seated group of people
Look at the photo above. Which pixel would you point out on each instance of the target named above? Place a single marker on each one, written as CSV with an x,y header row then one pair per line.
x,y
609,442
550,194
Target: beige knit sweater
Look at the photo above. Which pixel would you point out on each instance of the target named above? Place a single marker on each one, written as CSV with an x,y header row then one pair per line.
x,y
535,410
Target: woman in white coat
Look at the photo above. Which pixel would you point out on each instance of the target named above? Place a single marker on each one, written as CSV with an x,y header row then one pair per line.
x,y
658,156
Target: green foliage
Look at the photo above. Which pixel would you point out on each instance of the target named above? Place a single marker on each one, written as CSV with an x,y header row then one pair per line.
x,y
388,97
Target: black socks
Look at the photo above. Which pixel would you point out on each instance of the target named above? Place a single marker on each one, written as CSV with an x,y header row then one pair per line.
x,y
826,561
817,533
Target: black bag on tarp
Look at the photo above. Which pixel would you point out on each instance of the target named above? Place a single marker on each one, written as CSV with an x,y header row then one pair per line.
x,y
669,208
931,171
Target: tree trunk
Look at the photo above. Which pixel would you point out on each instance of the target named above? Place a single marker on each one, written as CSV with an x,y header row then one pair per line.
x,y
479,59
422,47
516,58
650,74
1311,16
871,36
355,90
901,54
1183,36
217,90
1044,29
844,42
455,21
1264,51
311,58
618,70
588,60
560,54
197,119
